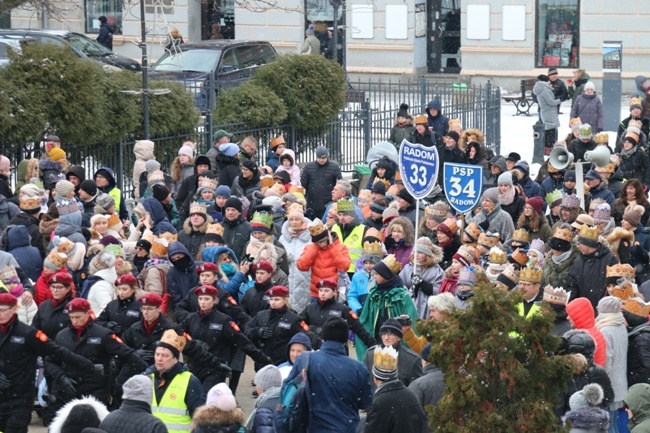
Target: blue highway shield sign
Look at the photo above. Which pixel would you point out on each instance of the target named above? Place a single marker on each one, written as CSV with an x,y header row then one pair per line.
x,y
463,185
418,166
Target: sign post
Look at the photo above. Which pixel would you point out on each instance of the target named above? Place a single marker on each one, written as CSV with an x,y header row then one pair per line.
x,y
418,166
463,186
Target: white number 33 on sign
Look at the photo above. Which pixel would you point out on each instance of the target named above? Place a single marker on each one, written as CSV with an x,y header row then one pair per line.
x,y
457,189
422,178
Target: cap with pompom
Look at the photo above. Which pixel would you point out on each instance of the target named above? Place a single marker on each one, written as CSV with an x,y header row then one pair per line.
x,y
403,110
590,395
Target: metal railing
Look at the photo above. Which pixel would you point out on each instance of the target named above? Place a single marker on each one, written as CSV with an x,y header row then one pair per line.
x,y
367,119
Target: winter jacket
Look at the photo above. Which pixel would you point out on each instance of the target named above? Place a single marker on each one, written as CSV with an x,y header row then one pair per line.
x,y
639,90
426,139
638,400
337,407
588,419
578,149
616,363
439,123
133,416
114,191
358,292
604,193
8,211
59,422
585,372
579,87
311,45
430,387
32,225
622,128
261,419
399,133
193,238
323,263
228,169
587,275
188,185
446,154
638,351
161,223
582,314
283,322
124,312
431,279
293,170
498,221
235,281
516,208
143,150
635,165
318,181
409,363
102,291
24,172
51,319
547,104
28,257
615,183
395,409
550,184
236,234
589,108
299,291
530,187
180,281
557,275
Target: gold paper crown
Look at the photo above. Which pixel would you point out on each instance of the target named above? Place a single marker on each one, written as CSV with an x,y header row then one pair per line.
x,y
296,189
295,207
602,138
67,207
497,256
637,307
384,181
564,234
173,339
8,272
114,220
488,241
589,232
159,247
169,237
556,295
634,126
208,183
610,167
317,227
198,208
521,235
624,292
421,119
275,142
385,358
574,122
345,205
156,176
520,257
473,230
438,209
266,181
533,275
65,246
635,101
621,270
150,237
215,229
450,223
373,248
392,264
57,259
509,273
30,202
454,123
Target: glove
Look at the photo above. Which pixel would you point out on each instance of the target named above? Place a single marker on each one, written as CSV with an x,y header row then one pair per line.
x,y
68,387
265,332
417,279
4,382
98,370
267,361
484,225
202,344
114,327
224,369
144,354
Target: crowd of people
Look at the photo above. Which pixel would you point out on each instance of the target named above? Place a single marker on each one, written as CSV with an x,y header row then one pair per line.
x,y
149,313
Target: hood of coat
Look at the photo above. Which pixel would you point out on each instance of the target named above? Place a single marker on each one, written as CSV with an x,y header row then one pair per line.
x,y
540,87
63,413
109,175
211,416
47,225
187,226
304,236
143,150
588,418
639,80
582,313
211,254
25,168
78,171
290,154
155,209
177,248
500,162
17,236
434,103
409,230
638,400
299,338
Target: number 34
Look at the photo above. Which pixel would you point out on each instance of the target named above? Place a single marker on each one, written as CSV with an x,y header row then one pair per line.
x,y
457,189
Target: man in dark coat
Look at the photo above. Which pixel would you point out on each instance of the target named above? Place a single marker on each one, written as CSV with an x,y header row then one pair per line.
x,y
530,187
228,162
430,387
395,408
450,152
318,178
236,230
135,412
28,257
188,185
220,137
105,36
20,346
182,276
597,189
438,122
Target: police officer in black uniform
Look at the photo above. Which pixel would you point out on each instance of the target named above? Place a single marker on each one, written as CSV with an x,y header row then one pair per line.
x,y
208,273
121,313
316,313
20,346
96,343
51,316
219,333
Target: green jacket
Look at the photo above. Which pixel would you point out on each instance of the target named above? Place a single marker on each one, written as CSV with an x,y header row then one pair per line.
x,y
638,400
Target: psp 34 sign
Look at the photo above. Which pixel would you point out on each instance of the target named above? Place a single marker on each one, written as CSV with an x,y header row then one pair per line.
x,y
418,166
463,185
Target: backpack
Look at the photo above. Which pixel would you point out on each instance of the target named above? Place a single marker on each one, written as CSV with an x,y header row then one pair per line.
x,y
88,284
292,412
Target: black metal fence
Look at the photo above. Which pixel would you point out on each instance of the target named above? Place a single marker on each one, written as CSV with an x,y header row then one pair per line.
x,y
367,119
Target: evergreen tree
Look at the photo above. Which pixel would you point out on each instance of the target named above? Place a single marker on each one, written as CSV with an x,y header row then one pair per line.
x,y
500,373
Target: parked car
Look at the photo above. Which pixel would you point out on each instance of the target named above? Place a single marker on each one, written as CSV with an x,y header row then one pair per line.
x,y
14,43
80,44
230,62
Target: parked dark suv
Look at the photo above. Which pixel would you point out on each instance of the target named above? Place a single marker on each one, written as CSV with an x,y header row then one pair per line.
x,y
80,44
230,62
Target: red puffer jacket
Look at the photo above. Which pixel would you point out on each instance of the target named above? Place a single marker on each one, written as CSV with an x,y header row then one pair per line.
x,y
582,314
42,290
324,263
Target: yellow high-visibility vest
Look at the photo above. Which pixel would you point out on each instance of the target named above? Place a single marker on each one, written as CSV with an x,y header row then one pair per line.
x,y
172,409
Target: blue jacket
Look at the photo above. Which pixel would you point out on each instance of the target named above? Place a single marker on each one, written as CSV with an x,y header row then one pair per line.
x,y
161,223
530,187
604,193
180,281
211,254
358,290
550,184
439,123
341,391
272,160
27,256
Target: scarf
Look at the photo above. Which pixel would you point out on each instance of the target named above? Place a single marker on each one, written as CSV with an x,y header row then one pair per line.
x,y
228,269
609,319
5,328
297,232
394,281
508,197
630,152
149,327
254,246
17,291
561,258
249,183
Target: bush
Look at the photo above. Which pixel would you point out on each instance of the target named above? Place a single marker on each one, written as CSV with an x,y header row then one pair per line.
x,y
312,88
253,104
172,113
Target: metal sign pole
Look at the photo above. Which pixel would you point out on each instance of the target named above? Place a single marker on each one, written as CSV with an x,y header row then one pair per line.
x,y
415,245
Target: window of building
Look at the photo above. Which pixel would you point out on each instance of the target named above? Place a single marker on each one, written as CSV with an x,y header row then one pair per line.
x,y
111,9
558,33
159,6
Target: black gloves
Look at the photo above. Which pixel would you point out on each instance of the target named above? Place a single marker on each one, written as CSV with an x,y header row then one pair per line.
x,y
426,287
265,332
68,387
146,355
4,382
115,327
485,225
224,370
202,344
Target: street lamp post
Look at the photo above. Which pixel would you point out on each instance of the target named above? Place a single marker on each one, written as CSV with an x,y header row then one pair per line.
x,y
145,72
335,31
